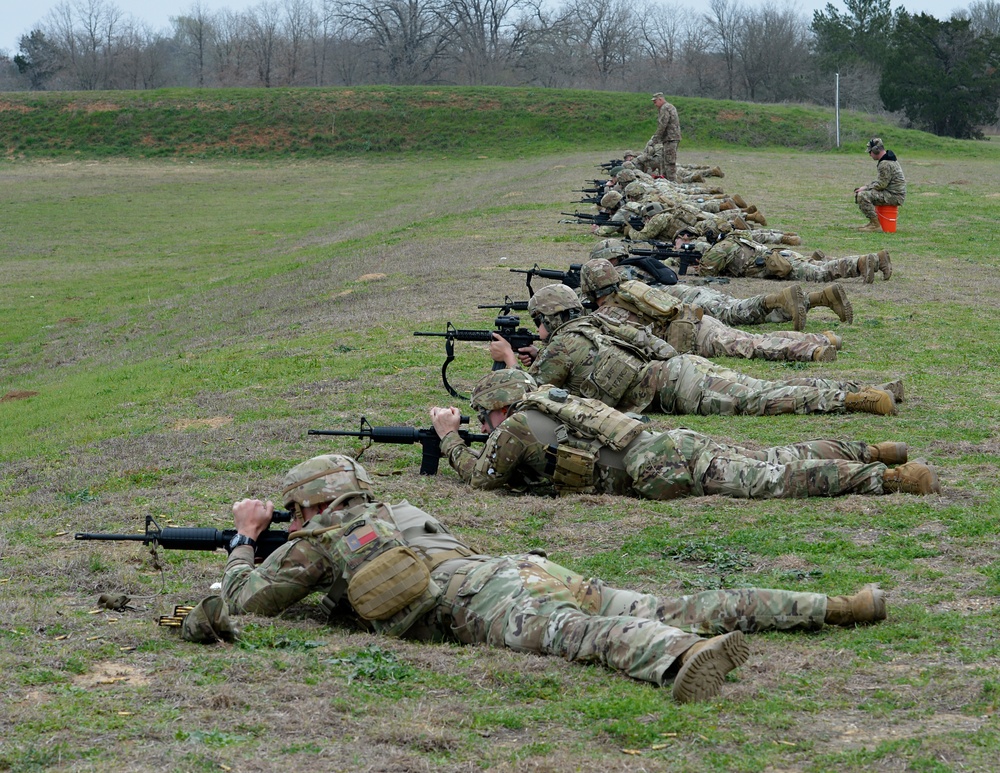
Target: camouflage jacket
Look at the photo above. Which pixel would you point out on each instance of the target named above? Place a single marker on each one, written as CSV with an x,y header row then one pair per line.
x,y
668,124
523,454
890,177
331,549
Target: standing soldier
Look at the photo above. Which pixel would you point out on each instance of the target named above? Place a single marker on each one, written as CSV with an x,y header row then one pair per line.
x,y
668,133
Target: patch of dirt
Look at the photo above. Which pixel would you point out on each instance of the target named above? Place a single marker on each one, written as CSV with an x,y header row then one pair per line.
x,y
371,277
109,673
215,422
17,394
4,105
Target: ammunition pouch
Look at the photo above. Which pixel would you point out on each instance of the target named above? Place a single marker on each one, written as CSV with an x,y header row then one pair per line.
x,y
777,264
572,468
388,584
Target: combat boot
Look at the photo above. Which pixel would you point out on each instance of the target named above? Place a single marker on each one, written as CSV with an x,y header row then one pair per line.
x,y
889,453
866,267
727,205
884,264
833,297
871,226
704,666
791,240
756,217
871,400
824,354
895,388
792,302
695,178
715,189
740,224
911,478
818,255
739,201
836,341
716,171
866,606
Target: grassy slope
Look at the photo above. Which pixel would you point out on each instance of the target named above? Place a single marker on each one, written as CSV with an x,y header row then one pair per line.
x,y
309,123
184,323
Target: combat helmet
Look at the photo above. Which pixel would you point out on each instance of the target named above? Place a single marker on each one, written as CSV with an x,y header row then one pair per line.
x,y
598,278
501,388
626,176
652,208
611,199
634,190
609,249
553,306
875,145
327,478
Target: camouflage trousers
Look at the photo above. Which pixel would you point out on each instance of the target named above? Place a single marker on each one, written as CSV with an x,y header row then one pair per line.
x,y
668,160
868,199
762,235
812,269
530,604
689,384
715,339
682,462
724,307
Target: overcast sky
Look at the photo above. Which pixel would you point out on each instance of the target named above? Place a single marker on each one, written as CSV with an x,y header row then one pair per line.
x,y
18,17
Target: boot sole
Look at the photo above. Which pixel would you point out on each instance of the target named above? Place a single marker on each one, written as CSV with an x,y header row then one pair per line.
x,y
846,310
701,677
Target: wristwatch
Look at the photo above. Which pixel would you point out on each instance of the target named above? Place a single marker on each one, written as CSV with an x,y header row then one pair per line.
x,y
240,539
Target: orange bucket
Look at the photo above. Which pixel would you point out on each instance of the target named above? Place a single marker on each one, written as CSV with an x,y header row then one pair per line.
x,y
887,217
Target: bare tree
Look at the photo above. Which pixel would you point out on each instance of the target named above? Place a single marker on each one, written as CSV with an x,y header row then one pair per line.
x,y
604,29
772,53
724,22
484,33
408,35
985,16
231,50
298,19
194,33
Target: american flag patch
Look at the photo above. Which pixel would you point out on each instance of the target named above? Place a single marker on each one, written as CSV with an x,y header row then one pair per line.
x,y
360,537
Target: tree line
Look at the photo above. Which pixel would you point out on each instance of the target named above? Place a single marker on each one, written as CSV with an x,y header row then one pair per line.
x,y
943,75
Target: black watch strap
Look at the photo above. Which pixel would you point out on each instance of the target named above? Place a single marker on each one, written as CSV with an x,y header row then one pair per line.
x,y
240,539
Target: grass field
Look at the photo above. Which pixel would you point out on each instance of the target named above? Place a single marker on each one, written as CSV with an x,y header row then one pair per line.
x,y
173,328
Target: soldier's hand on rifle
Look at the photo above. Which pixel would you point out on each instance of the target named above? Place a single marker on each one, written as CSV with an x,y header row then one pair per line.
x,y
252,517
446,420
527,355
500,351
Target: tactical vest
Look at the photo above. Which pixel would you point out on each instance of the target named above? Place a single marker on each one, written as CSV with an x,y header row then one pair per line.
x,y
578,433
386,554
622,353
736,254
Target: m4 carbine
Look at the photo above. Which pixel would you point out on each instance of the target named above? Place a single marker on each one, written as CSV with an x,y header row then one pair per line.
x,y
196,538
507,327
569,278
428,439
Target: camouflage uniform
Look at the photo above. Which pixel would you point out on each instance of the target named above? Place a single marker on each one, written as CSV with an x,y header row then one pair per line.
x,y
724,307
685,384
713,338
889,188
737,256
523,602
524,451
668,133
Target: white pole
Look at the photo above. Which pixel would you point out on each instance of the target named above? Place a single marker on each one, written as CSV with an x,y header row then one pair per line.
x,y
836,91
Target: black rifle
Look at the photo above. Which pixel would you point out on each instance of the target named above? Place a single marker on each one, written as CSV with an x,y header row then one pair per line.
x,y
609,165
428,439
195,538
651,265
687,254
506,327
507,306
603,218
569,278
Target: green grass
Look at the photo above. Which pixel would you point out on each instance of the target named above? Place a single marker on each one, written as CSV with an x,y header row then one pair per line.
x,y
384,121
184,324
